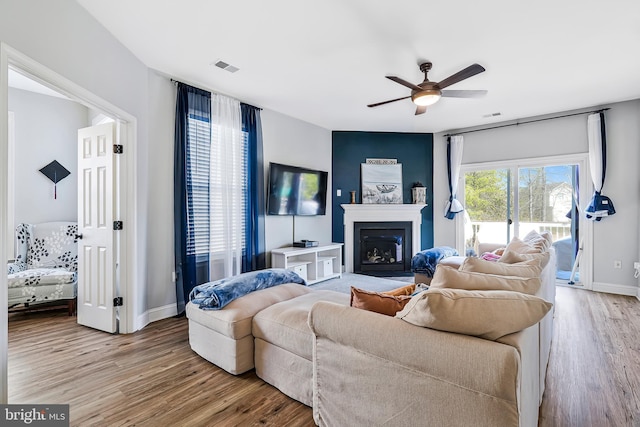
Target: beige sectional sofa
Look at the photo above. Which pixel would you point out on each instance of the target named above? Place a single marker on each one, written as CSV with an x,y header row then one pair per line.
x,y
357,368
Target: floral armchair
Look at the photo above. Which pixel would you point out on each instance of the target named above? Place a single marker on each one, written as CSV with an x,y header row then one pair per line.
x,y
46,264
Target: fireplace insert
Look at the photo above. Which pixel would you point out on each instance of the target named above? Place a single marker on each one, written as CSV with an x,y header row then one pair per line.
x,y
382,248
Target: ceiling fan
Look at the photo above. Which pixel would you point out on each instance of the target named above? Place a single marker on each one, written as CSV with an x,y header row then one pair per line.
x,y
428,93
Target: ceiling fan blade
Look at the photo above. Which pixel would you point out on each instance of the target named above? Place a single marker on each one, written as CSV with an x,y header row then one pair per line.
x,y
464,93
386,102
404,82
470,71
421,109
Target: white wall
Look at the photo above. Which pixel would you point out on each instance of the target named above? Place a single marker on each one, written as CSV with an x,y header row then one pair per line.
x,y
158,243
46,129
614,237
294,142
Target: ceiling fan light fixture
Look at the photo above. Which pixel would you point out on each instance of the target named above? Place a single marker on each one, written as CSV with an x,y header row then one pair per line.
x,y
426,97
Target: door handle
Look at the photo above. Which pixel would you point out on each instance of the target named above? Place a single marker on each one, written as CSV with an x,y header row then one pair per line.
x,y
78,236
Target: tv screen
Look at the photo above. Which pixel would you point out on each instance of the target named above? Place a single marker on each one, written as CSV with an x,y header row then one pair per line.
x,y
296,191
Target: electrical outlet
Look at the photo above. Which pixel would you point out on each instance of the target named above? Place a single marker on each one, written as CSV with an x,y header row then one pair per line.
x,y
338,192
636,265
617,264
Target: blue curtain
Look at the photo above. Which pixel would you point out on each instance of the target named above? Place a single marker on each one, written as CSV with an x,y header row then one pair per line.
x,y
600,206
254,255
190,103
454,160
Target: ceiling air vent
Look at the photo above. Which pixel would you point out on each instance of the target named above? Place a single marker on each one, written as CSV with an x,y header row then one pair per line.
x,y
228,67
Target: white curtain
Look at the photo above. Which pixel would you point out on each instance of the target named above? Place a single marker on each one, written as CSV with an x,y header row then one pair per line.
x,y
225,188
600,205
454,160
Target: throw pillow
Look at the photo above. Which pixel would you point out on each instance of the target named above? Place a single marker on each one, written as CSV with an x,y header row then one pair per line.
x,y
447,277
489,256
511,257
404,290
519,246
485,314
534,236
477,265
377,301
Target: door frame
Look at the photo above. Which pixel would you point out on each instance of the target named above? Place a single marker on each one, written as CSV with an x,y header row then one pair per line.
x,y
586,189
126,188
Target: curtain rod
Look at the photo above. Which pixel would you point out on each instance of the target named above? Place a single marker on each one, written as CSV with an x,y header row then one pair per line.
x,y
175,83
527,122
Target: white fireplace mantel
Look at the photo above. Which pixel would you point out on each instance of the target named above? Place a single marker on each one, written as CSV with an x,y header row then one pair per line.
x,y
378,213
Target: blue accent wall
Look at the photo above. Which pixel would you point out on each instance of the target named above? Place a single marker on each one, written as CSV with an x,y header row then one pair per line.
x,y
350,149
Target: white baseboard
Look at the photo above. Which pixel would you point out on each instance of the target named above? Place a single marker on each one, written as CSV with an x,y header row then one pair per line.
x,y
156,314
611,288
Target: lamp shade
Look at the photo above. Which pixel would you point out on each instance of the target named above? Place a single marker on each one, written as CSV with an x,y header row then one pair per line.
x,y
426,97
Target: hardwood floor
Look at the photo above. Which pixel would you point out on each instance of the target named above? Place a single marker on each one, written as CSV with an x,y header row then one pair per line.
x,y
152,378
593,377
149,378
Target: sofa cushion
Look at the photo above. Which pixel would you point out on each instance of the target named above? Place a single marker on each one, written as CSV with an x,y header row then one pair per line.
x,y
485,314
529,268
378,302
285,324
53,245
234,320
447,277
40,277
511,257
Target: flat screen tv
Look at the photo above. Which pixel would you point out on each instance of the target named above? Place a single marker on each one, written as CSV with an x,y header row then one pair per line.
x,y
294,190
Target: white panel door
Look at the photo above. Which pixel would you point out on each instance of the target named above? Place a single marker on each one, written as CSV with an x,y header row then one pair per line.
x,y
96,267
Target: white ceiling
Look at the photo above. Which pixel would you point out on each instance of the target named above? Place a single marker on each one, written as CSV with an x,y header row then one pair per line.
x,y
324,61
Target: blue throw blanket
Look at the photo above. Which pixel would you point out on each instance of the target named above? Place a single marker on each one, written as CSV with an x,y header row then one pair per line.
x,y
215,295
425,262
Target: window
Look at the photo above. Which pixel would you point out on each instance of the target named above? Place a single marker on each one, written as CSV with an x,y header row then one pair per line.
x,y
233,175
205,190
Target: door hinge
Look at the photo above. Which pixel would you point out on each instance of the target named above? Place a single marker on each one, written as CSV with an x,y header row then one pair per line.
x,y
118,149
118,302
118,225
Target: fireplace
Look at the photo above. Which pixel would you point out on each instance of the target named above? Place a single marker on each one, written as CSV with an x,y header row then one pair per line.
x,y
382,248
370,213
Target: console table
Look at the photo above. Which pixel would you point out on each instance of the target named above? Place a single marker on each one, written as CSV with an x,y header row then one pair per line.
x,y
314,264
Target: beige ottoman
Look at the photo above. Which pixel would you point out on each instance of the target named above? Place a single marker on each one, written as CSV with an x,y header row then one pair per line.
x,y
284,343
223,337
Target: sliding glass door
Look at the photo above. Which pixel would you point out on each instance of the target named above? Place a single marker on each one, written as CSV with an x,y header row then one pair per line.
x,y
516,198
488,201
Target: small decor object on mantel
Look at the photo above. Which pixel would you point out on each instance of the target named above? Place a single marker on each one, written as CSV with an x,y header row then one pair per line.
x,y
419,193
56,173
353,197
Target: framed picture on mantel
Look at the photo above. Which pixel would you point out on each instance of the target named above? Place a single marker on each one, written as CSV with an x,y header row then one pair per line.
x,y
381,184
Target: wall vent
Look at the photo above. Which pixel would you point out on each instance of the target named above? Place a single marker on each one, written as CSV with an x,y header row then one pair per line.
x,y
486,116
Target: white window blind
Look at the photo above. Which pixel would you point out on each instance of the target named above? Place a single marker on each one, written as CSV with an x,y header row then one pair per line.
x,y
206,225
